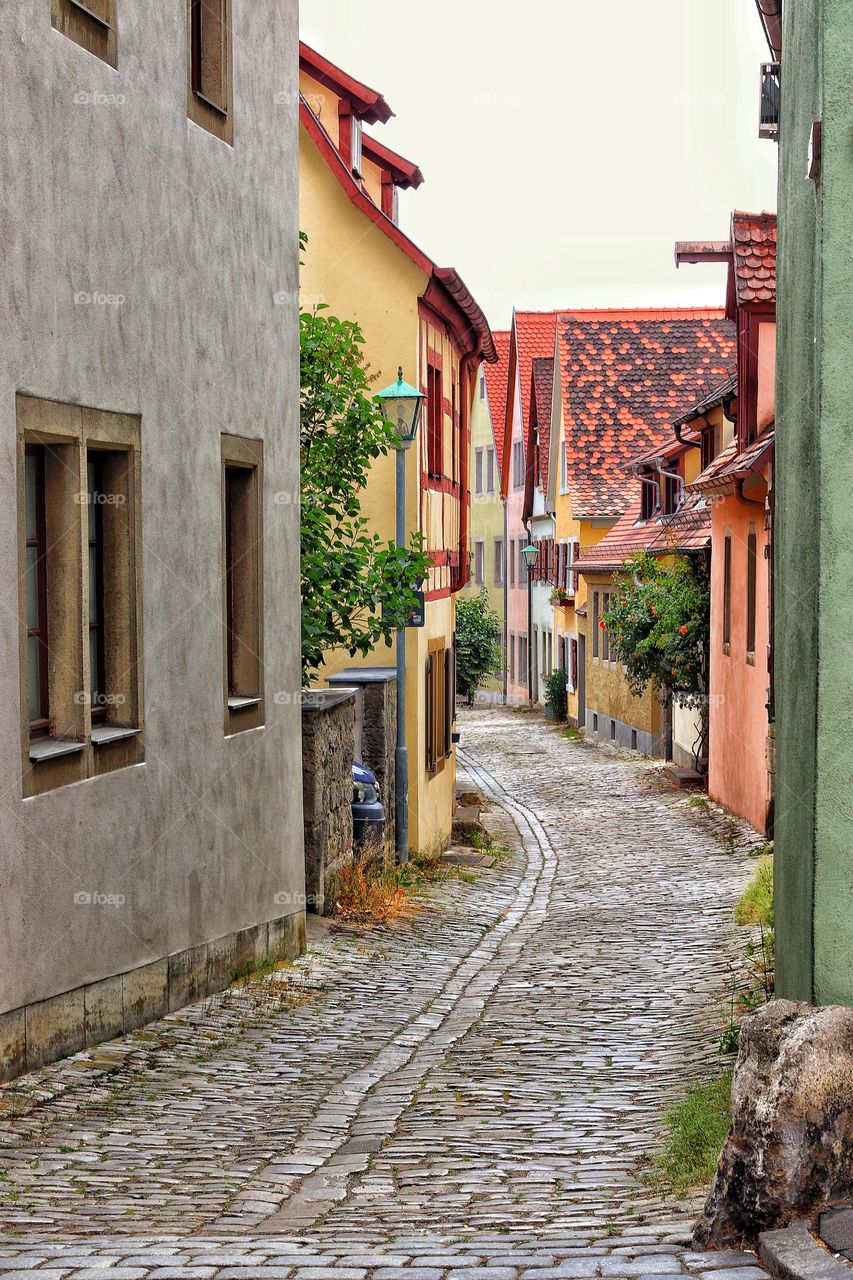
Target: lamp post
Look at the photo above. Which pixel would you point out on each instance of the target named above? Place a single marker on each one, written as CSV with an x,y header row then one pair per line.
x,y
531,555
401,405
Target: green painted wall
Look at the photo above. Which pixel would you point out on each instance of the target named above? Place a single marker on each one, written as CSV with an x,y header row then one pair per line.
x,y
814,511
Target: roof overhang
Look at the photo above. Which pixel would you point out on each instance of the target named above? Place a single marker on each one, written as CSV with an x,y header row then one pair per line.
x,y
702,251
367,103
770,12
404,173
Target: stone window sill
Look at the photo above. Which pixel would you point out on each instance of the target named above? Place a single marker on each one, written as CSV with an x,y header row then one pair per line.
x,y
240,703
112,733
42,749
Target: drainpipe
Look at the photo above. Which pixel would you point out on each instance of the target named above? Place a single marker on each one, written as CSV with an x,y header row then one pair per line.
x,y
689,444
749,502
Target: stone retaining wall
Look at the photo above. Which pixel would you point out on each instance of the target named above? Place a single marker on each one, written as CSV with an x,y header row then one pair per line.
x,y
328,737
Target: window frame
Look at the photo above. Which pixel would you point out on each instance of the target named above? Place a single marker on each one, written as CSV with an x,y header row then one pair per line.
x,y
435,420
215,117
498,565
40,726
727,593
76,745
242,459
479,562
751,592
79,21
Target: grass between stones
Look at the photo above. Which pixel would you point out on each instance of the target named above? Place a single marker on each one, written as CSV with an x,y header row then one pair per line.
x,y
755,905
697,1128
372,889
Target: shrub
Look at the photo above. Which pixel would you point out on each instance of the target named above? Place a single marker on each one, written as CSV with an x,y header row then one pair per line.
x,y
555,694
478,651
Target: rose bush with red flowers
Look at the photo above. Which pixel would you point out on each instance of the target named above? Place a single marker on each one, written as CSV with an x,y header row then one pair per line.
x,y
659,626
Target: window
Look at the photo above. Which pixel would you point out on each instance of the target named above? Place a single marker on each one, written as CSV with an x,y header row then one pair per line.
x,y
499,562
671,496
89,23
36,584
605,634
80,633
751,575
435,421
595,622
357,137
650,499
512,656
523,571
479,562
523,664
518,464
95,531
709,447
478,471
727,593
612,730
573,666
564,470
209,57
439,705
482,386
490,469
511,560
242,576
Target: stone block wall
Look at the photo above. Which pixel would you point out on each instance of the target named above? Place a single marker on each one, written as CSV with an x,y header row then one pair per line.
x,y
328,737
377,693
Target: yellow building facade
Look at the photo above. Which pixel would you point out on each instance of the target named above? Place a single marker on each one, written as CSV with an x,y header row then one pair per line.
x,y
420,317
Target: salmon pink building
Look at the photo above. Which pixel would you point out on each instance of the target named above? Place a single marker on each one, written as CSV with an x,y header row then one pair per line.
x,y
532,337
738,484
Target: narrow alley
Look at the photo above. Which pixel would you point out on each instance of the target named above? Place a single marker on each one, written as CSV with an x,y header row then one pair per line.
x,y
476,1087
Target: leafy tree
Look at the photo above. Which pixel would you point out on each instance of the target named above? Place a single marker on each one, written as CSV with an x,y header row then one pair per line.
x,y
659,627
478,650
357,588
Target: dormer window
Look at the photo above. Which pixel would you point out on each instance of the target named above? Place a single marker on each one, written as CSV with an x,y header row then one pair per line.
x,y
671,494
650,500
709,446
356,146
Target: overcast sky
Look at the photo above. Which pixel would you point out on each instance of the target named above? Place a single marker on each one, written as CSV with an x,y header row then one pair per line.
x,y
566,144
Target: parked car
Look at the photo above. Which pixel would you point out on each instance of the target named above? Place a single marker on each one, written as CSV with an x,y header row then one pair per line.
x,y
368,812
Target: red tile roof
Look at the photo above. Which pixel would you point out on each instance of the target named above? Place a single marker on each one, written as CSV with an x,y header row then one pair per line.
x,y
543,386
730,466
626,375
754,243
534,336
496,375
689,529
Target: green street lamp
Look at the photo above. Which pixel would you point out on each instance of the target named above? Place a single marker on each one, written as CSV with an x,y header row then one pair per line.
x,y
401,405
531,555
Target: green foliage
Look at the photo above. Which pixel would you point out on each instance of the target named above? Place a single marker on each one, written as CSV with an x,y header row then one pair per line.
x,y
755,905
555,694
478,650
697,1126
659,627
357,589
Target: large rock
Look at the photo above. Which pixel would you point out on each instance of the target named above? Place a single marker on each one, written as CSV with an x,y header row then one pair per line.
x,y
789,1151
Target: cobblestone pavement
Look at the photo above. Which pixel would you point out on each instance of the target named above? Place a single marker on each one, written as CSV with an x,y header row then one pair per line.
x,y
466,1096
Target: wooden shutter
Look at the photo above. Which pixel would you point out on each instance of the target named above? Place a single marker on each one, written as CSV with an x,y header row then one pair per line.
x,y
430,715
448,701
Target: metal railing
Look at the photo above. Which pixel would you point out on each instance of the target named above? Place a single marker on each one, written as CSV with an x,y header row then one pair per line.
x,y
771,81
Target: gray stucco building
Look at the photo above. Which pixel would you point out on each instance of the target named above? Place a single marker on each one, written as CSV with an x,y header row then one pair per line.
x,y
150,780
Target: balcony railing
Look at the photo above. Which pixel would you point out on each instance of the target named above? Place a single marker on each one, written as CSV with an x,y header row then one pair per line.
x,y
768,124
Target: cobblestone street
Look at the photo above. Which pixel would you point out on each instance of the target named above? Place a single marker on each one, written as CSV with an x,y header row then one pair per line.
x,y
469,1094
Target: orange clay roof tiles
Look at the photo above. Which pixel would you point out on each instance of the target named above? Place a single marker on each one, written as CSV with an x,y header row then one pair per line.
x,y
688,529
626,375
543,385
534,335
754,243
496,376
